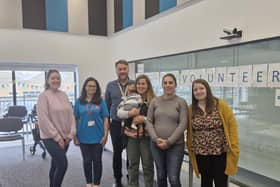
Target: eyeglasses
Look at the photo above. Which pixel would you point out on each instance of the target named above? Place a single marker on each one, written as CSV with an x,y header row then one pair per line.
x,y
91,86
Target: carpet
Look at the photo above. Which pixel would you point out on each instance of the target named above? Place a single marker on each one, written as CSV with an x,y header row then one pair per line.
x,y
33,172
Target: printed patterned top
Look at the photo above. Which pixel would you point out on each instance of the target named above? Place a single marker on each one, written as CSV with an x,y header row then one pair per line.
x,y
208,134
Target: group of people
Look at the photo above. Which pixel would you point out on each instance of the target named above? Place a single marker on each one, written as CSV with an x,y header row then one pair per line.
x,y
152,129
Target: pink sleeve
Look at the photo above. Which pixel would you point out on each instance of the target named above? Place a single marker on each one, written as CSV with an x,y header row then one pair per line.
x,y
71,118
46,126
73,126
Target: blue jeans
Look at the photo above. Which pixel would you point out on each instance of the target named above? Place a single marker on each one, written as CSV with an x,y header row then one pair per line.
x,y
168,164
92,155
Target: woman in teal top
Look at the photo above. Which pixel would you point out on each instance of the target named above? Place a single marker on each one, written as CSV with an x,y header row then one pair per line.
x,y
91,114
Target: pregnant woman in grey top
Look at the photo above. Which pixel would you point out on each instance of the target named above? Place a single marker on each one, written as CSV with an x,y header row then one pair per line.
x,y
166,123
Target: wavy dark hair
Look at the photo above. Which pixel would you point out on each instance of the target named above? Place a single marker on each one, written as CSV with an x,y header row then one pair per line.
x,y
51,71
211,101
96,99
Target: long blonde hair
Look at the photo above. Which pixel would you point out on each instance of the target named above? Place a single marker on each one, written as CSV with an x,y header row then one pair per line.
x,y
150,94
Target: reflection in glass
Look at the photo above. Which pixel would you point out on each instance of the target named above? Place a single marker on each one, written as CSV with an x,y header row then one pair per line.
x,y
68,85
29,84
6,87
254,107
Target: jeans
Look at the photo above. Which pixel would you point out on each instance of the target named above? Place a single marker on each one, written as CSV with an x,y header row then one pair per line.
x,y
168,164
116,136
58,163
212,168
140,149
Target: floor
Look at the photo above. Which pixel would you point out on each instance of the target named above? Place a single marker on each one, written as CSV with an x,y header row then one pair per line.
x,y
33,171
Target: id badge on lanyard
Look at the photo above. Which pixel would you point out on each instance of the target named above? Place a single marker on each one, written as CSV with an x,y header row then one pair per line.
x,y
91,121
123,93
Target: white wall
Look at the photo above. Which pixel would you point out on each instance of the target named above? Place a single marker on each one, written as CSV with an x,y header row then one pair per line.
x,y
179,2
138,11
91,54
110,17
10,14
198,26
78,16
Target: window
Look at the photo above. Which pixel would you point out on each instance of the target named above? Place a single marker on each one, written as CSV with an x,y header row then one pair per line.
x,y
253,104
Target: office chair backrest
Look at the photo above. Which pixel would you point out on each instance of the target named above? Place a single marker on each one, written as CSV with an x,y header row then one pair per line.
x,y
17,111
9,124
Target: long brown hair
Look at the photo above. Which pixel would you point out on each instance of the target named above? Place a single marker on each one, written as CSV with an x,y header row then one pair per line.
x,y
211,101
150,92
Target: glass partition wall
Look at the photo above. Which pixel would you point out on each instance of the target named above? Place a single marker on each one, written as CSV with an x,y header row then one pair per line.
x,y
21,84
6,96
247,77
28,85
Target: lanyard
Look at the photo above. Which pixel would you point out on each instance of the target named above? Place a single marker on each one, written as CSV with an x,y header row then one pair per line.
x,y
89,110
121,90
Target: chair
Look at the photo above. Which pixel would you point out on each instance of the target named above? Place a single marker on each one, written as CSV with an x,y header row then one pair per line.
x,y
8,128
19,111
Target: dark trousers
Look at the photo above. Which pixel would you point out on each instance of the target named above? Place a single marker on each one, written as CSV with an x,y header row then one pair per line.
x,y
117,141
92,155
212,168
168,164
58,163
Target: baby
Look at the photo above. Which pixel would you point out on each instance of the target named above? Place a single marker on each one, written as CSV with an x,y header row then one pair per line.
x,y
129,106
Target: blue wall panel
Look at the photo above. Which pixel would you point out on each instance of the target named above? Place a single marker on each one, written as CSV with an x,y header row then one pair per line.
x,y
127,13
166,4
57,15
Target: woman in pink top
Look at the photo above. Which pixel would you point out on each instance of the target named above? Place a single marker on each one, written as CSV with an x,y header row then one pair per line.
x,y
57,125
